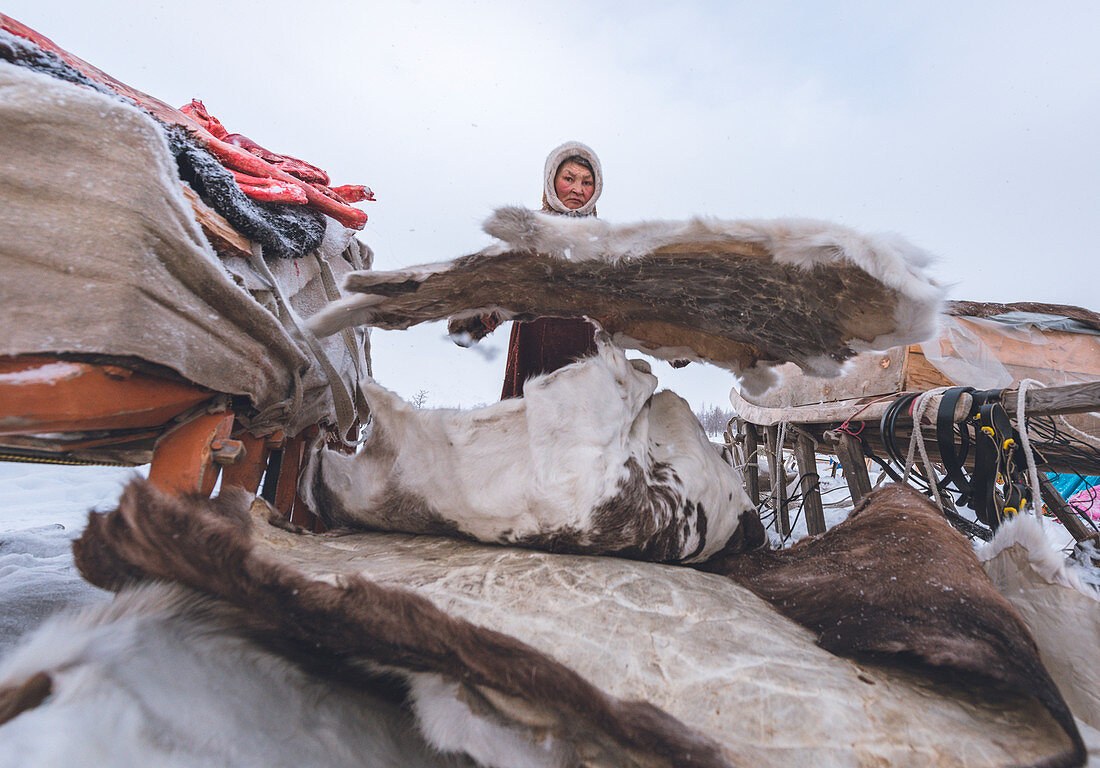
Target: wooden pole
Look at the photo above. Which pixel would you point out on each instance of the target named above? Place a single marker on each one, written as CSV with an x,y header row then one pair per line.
x,y
1072,398
752,462
810,482
854,464
779,481
1070,519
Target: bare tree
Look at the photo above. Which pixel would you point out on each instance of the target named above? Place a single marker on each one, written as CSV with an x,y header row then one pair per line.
x,y
713,418
419,399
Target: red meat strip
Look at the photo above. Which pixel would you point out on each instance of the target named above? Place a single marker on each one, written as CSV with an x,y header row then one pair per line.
x,y
292,165
204,126
270,190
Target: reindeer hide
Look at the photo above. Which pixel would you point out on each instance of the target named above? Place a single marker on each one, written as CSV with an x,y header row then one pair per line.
x,y
607,661
744,295
590,460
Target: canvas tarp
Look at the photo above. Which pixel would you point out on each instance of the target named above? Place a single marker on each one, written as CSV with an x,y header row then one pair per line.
x,y
101,255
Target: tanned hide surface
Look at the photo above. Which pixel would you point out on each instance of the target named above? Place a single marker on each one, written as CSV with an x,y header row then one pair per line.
x,y
742,295
735,682
895,580
207,546
590,460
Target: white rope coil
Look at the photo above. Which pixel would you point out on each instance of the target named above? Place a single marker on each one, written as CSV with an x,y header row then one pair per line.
x,y
916,443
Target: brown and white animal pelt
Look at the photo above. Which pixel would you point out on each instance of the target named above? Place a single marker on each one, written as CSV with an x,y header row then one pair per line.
x,y
590,461
742,295
164,676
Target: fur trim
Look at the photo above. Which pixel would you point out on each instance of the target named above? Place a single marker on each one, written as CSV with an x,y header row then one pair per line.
x,y
554,161
1043,556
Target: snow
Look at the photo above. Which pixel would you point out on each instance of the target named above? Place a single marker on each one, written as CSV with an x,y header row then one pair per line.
x,y
42,374
42,509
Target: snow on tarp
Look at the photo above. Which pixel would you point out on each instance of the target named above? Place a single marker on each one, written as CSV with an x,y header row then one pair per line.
x,y
101,254
626,663
743,295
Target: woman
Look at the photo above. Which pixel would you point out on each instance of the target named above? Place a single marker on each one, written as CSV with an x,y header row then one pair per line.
x,y
572,182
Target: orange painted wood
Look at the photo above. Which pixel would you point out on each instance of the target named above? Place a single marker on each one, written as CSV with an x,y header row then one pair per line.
x,y
183,460
287,500
44,394
247,472
286,491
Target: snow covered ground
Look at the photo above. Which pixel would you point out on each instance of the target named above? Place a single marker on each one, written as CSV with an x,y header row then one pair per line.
x,y
42,509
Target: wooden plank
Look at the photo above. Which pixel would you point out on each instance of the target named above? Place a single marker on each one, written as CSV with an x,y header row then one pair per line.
x,y
44,395
1060,352
222,236
1072,398
868,375
854,464
810,484
183,461
752,462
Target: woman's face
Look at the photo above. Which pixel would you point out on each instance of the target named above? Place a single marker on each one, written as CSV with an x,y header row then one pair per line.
x,y
574,185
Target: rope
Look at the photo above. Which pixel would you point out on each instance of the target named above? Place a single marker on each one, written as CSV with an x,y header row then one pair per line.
x,y
916,443
772,461
1083,436
1025,442
341,400
844,425
21,459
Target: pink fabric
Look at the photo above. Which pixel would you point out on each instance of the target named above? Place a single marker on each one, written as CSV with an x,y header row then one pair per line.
x,y
1088,502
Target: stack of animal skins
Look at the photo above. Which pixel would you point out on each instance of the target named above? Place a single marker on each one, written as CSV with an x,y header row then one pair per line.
x,y
743,295
513,657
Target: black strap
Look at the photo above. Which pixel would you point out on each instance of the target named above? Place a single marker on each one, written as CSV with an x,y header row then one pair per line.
x,y
888,424
954,461
998,456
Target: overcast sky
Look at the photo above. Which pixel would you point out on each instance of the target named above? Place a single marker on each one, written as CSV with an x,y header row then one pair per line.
x,y
970,128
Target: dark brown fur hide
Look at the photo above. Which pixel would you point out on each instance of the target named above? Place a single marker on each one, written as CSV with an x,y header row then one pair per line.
x,y
16,699
205,545
895,580
741,295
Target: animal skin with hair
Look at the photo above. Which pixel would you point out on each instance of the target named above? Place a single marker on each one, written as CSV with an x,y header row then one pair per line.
x,y
743,295
296,628
590,460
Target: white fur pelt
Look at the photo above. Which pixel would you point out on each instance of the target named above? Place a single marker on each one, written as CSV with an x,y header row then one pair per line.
x,y
163,677
588,460
1059,606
